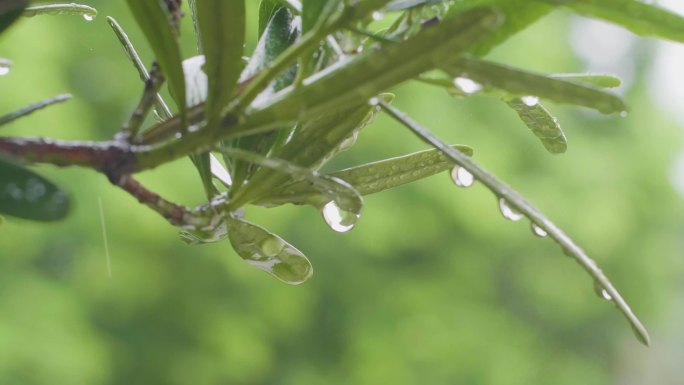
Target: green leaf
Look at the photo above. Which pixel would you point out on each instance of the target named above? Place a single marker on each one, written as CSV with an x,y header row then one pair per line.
x,y
637,16
156,22
33,108
316,13
517,82
280,33
10,11
540,121
347,83
369,178
268,252
27,195
330,190
221,26
310,146
266,10
88,13
599,80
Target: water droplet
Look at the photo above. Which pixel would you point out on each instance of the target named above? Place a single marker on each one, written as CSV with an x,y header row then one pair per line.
x,y
509,212
4,68
601,292
467,86
377,16
530,101
348,142
623,114
88,17
538,231
374,101
462,177
339,220
178,135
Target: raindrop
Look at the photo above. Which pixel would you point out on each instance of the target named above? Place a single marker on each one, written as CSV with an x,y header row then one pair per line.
x,y
467,86
339,220
509,212
530,101
601,292
623,114
462,177
377,16
4,68
538,231
88,17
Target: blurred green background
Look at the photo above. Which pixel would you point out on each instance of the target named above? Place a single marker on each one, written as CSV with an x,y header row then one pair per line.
x,y
432,287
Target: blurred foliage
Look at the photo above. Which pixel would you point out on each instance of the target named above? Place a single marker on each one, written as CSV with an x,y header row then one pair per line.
x,y
433,286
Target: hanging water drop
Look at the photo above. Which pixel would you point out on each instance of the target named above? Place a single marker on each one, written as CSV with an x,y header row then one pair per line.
x,y
601,292
88,17
530,101
623,114
377,15
339,220
462,177
467,86
538,231
509,212
5,66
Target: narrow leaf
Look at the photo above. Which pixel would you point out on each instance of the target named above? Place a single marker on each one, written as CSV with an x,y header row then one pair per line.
x,y
637,16
156,22
599,80
370,178
540,121
523,83
514,207
221,26
268,252
88,13
33,108
27,195
329,189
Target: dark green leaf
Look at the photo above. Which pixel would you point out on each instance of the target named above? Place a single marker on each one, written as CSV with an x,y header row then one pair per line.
x,y
10,10
280,33
156,23
25,194
268,252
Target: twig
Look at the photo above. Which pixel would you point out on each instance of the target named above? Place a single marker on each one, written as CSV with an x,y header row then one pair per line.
x,y
516,201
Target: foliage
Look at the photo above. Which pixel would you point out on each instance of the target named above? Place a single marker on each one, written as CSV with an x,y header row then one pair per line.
x,y
311,84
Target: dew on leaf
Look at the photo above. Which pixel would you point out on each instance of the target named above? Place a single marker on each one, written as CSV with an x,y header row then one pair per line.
x,y
538,231
530,101
509,212
467,86
601,292
462,177
339,220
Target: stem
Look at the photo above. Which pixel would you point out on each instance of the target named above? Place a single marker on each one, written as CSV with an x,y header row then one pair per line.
x,y
516,201
148,98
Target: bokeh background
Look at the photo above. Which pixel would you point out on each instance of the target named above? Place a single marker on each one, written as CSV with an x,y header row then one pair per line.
x,y
432,287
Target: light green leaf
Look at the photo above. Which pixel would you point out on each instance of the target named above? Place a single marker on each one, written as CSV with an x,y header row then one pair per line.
x,y
266,10
27,195
268,252
517,82
599,80
156,22
540,121
348,82
310,146
369,178
345,198
637,16
33,108
221,26
88,13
